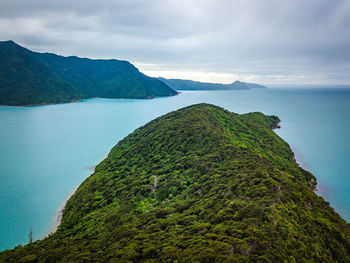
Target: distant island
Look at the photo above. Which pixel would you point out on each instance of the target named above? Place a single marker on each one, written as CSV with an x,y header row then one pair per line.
x,y
200,184
31,78
181,84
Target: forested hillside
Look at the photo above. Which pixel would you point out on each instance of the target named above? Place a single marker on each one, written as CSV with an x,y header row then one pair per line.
x,y
31,78
200,184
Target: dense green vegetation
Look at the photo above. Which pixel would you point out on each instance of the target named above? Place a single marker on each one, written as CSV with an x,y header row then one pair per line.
x,y
181,84
200,184
28,78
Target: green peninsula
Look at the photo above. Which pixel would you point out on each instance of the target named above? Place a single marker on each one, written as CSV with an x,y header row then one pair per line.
x,y
200,184
31,78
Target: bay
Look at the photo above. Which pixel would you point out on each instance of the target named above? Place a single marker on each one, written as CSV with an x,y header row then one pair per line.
x,y
47,151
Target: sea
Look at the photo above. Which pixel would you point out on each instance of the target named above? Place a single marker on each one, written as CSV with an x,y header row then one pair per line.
x,y
46,152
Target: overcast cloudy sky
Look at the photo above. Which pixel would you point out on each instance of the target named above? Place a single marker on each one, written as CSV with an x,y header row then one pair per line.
x,y
265,41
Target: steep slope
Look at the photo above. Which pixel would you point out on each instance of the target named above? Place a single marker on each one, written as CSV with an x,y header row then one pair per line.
x,y
181,84
28,77
200,184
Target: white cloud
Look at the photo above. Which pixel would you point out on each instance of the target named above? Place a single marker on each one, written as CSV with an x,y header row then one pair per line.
x,y
260,40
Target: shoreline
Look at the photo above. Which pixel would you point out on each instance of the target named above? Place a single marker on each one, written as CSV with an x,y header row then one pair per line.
x,y
319,190
82,99
44,104
297,156
299,159
57,218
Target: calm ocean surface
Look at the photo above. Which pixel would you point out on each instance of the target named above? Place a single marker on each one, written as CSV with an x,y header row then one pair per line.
x,y
47,151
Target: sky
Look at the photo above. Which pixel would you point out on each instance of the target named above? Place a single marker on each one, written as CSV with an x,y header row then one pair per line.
x,y
262,41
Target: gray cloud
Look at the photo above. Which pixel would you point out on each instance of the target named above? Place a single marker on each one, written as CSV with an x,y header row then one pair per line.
x,y
268,41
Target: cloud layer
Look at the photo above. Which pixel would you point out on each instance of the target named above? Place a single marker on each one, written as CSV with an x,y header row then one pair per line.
x,y
267,41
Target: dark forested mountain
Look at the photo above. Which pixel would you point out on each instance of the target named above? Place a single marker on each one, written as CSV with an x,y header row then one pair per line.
x,y
181,84
200,184
28,78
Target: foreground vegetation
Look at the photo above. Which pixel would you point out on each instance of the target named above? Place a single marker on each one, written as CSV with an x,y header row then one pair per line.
x,y
200,184
30,78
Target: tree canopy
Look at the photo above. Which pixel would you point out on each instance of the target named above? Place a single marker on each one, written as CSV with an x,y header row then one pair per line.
x,y
30,78
200,184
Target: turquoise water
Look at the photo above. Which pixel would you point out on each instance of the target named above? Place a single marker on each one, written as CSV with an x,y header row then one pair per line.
x,y
47,151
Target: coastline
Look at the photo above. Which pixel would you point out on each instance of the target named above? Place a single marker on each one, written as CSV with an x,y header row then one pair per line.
x,y
320,190
78,100
298,158
44,104
57,218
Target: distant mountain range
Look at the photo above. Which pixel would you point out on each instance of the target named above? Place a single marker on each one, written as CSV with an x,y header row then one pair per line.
x,y
181,84
31,78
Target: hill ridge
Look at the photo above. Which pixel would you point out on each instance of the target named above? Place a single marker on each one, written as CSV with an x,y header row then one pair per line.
x,y
31,78
184,84
200,184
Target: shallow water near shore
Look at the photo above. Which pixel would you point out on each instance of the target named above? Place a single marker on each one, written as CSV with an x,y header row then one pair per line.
x,y
47,151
